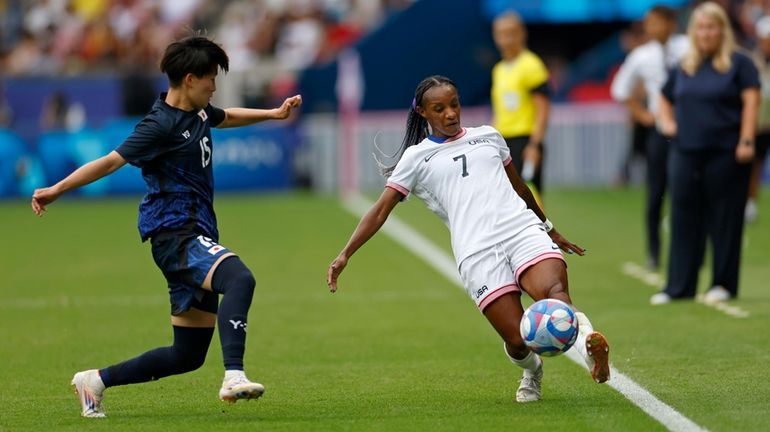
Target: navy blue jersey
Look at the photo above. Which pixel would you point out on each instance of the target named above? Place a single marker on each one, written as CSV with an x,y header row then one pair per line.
x,y
173,148
708,105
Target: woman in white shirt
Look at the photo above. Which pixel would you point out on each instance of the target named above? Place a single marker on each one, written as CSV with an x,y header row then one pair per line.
x,y
501,239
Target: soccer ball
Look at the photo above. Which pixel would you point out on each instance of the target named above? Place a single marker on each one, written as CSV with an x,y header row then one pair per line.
x,y
549,327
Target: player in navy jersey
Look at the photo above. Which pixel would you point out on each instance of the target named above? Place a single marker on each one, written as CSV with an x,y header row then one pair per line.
x,y
172,145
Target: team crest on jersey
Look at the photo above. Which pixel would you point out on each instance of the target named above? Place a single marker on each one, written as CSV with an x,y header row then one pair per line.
x,y
202,114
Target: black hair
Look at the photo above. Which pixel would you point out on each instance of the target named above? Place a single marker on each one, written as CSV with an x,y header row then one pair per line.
x,y
197,55
665,12
416,125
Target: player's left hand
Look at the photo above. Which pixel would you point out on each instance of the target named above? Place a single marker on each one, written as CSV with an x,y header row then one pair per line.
x,y
744,152
565,244
41,198
335,268
284,110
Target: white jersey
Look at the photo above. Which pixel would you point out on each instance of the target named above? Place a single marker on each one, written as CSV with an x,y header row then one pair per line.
x,y
463,181
649,63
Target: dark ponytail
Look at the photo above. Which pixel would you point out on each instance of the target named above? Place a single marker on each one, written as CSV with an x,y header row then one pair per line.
x,y
416,125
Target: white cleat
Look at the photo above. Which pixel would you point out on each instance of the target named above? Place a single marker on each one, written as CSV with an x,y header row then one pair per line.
x,y
89,388
717,294
239,387
529,389
660,298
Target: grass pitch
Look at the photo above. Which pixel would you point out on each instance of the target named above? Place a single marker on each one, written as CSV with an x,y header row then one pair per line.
x,y
397,348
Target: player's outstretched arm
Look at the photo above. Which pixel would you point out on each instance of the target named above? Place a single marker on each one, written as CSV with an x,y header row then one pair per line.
x,y
84,175
523,191
235,117
367,227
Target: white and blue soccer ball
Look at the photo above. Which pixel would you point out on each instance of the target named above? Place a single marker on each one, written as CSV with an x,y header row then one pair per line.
x,y
549,327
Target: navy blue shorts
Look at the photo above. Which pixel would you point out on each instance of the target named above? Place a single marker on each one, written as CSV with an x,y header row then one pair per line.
x,y
185,259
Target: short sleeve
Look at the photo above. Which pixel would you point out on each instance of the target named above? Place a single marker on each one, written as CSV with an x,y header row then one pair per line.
x,y
535,74
625,79
746,74
143,145
404,177
502,146
216,115
668,88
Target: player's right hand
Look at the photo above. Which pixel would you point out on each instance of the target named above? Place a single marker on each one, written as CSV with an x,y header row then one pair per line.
x,y
335,268
41,198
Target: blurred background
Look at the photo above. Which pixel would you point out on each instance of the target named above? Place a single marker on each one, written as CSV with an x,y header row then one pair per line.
x,y
78,74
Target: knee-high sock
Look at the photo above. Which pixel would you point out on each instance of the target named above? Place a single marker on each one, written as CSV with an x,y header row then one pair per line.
x,y
186,354
236,283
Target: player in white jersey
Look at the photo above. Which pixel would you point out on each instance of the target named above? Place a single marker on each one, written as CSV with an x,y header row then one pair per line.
x,y
501,239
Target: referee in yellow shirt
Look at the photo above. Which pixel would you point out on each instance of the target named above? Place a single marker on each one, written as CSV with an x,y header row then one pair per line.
x,y
520,97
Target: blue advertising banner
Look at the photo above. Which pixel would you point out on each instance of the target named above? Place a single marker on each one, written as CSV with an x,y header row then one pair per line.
x,y
249,158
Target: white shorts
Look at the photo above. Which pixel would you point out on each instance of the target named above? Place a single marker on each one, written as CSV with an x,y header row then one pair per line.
x,y
492,272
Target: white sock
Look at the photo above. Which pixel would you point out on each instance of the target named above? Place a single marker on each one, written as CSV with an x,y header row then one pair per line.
x,y
233,373
530,363
584,329
584,324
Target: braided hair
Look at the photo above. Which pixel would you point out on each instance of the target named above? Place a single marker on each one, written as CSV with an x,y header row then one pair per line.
x,y
416,125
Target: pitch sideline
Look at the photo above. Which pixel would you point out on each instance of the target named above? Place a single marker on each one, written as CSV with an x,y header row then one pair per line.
x,y
434,256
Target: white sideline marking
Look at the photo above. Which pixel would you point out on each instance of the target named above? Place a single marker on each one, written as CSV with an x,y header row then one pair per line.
x,y
656,281
437,258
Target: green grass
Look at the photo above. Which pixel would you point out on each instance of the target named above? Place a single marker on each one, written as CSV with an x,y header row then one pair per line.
x,y
397,348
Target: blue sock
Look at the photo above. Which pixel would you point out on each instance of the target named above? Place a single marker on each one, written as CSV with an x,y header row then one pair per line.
x,y
186,354
236,284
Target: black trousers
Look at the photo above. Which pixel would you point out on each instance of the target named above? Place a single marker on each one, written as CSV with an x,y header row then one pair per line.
x,y
516,145
657,161
708,195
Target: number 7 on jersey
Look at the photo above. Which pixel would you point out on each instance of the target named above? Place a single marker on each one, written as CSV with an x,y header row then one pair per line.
x,y
465,163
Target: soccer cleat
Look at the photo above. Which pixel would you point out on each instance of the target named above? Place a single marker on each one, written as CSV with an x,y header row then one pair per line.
x,y
239,387
529,387
598,357
89,388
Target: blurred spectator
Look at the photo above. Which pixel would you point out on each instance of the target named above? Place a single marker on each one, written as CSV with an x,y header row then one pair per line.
x,y
59,114
301,35
637,153
762,58
27,56
709,104
648,64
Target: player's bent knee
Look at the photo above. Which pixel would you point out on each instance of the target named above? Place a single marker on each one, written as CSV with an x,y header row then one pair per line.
x,y
190,347
233,275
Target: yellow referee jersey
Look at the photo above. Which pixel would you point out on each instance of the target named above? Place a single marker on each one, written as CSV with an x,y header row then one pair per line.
x,y
512,85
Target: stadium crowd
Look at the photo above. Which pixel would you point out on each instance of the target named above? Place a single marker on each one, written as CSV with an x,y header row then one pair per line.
x,y
275,37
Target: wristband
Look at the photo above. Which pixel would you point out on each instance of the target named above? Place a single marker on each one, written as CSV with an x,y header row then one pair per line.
x,y
548,225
